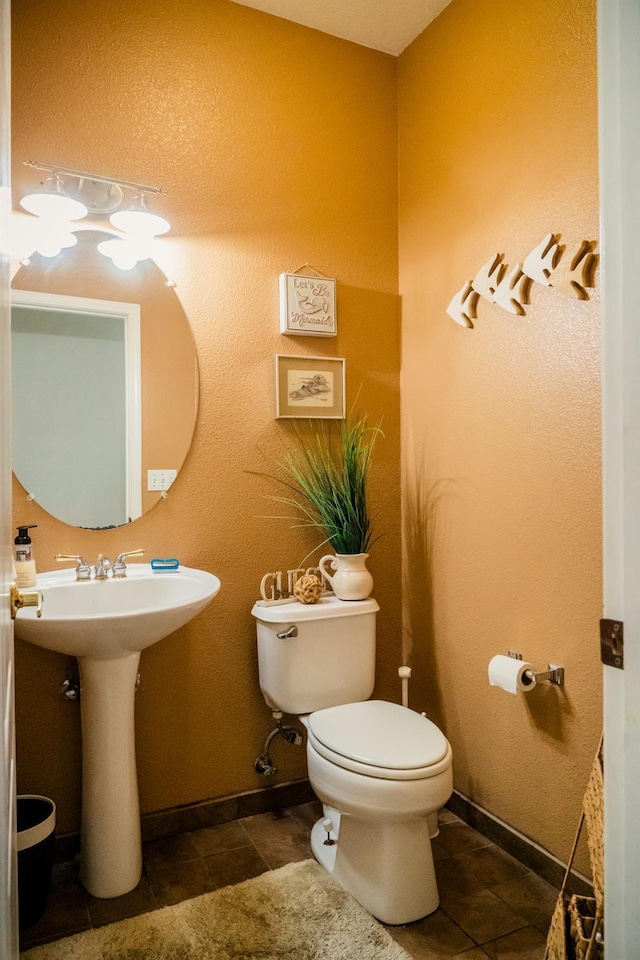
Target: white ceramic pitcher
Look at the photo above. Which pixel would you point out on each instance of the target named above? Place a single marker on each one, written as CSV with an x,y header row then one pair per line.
x,y
351,580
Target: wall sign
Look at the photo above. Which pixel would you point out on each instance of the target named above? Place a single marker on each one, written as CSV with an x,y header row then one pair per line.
x,y
307,305
508,287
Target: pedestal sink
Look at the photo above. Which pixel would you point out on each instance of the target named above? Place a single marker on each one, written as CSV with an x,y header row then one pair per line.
x,y
106,624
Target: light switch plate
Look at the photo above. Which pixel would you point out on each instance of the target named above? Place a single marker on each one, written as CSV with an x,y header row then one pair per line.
x,y
160,479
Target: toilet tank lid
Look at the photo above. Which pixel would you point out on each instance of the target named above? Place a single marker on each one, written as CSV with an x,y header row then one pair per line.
x,y
380,734
326,607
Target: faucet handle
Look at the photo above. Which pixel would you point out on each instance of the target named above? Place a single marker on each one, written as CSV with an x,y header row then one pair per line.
x,y
119,565
83,570
20,600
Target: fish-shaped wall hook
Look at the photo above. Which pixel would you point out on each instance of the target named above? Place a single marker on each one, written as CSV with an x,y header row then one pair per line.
x,y
463,306
513,291
488,277
573,277
543,259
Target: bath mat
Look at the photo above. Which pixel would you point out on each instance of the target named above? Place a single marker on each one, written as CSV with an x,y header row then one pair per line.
x,y
295,913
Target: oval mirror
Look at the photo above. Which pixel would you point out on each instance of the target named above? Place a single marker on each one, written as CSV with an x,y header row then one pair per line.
x,y
105,385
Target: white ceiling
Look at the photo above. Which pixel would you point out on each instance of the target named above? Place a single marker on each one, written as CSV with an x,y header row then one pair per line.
x,y
388,25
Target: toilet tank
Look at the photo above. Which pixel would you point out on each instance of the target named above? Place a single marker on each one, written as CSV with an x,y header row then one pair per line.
x,y
330,661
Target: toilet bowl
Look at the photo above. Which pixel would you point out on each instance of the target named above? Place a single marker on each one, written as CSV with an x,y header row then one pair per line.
x,y
381,770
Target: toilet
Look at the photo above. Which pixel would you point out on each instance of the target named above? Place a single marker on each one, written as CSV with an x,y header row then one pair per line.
x,y
381,770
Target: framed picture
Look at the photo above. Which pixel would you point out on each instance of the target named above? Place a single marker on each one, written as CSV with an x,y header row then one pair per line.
x,y
310,387
307,305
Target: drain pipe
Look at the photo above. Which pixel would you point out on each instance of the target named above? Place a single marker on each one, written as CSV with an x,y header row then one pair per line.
x,y
264,764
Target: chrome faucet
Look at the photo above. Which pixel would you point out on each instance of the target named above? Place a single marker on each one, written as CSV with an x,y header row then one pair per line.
x,y
83,570
103,565
119,566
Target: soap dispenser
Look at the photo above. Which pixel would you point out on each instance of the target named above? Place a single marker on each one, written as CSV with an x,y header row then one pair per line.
x,y
23,558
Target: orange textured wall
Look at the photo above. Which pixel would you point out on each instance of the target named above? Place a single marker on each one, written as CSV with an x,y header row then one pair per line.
x,y
501,424
277,146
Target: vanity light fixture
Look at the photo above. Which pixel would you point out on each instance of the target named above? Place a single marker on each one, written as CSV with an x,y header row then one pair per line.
x,y
53,203
69,195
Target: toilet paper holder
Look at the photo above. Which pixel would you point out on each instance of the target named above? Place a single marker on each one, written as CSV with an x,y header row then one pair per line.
x,y
554,673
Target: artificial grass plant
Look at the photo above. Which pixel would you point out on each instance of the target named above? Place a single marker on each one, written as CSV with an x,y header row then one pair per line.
x,y
327,476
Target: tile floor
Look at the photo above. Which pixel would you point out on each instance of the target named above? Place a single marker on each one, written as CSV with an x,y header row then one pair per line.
x,y
491,905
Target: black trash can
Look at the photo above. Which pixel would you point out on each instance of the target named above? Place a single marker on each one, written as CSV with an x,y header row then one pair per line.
x,y
36,848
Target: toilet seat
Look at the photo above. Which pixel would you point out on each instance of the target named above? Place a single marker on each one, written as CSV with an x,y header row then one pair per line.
x,y
379,739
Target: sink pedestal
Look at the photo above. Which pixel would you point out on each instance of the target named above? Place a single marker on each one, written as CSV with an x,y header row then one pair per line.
x,y
105,624
111,849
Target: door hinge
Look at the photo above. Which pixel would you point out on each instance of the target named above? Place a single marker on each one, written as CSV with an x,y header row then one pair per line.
x,y
612,643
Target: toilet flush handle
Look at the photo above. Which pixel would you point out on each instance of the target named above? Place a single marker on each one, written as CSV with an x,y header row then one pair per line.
x,y
288,634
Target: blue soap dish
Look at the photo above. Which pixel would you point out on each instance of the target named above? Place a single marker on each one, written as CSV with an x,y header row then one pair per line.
x,y
165,566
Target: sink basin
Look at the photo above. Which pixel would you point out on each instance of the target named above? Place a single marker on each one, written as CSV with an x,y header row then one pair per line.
x,y
106,624
113,618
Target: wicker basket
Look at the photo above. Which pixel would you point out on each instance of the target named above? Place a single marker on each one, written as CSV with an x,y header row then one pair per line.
x,y
583,916
576,931
557,936
593,806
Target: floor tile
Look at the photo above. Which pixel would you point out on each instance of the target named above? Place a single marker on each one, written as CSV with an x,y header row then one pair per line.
x,y
492,865
234,866
265,826
181,882
138,901
288,848
433,938
184,819
525,944
445,816
484,916
226,836
307,814
456,879
530,896
260,801
487,896
438,850
158,854
476,953
456,837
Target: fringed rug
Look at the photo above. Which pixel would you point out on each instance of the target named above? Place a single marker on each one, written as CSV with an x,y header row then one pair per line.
x,y
295,913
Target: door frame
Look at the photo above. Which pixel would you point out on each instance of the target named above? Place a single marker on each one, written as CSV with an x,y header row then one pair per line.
x,y
8,866
619,138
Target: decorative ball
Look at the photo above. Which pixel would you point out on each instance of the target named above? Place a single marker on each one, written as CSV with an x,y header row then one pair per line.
x,y
308,589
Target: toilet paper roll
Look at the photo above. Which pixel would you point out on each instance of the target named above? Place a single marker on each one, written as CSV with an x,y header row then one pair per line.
x,y
509,674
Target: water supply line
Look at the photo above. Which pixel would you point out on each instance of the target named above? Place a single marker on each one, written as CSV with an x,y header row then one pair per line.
x,y
405,675
264,764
